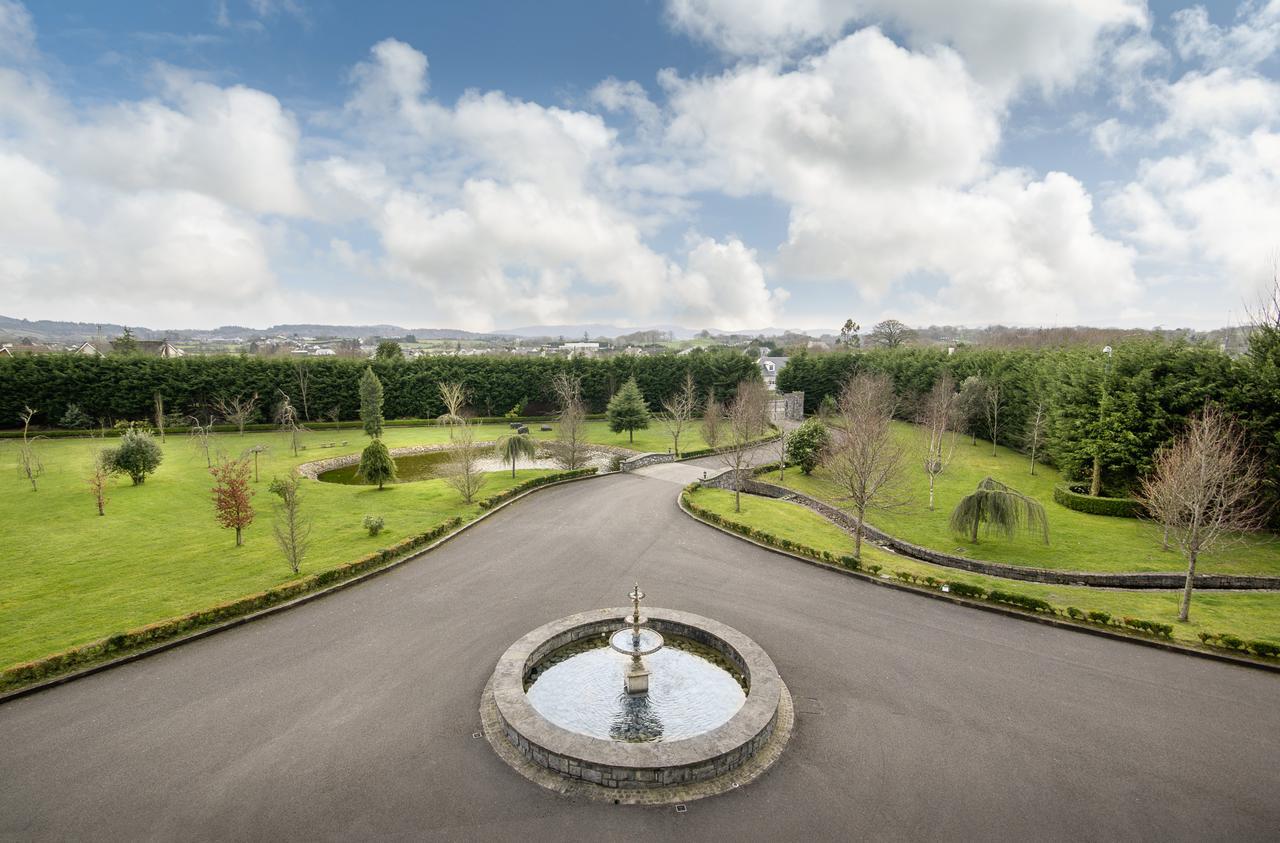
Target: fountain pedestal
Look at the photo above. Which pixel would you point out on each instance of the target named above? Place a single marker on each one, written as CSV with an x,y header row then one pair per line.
x,y
637,680
636,640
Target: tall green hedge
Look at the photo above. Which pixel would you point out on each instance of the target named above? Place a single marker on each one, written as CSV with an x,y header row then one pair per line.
x,y
113,388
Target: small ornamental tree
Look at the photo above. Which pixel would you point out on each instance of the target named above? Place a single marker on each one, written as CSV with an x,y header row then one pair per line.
x,y
232,497
97,481
29,464
137,455
806,444
511,448
1002,509
376,465
679,409
389,350
627,410
371,403
292,530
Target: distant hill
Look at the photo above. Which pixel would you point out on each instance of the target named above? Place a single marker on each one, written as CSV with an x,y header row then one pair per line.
x,y
48,330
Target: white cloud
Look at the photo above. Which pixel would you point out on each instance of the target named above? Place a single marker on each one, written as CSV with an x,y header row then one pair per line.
x,y
1224,100
724,287
630,97
17,34
1252,40
1005,42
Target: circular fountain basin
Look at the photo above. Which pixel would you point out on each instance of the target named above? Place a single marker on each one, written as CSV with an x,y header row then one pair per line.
x,y
708,747
689,694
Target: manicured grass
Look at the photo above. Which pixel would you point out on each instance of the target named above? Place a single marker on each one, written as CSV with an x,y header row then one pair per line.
x,y
71,577
1250,615
1077,541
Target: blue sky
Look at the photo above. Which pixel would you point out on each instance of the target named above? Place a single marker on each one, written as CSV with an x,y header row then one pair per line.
x,y
710,163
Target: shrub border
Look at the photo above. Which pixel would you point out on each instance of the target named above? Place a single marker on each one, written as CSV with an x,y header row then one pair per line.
x,y
87,659
1108,507
982,605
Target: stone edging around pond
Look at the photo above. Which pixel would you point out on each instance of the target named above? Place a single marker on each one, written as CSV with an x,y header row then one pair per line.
x,y
1007,611
619,765
1092,579
307,597
313,470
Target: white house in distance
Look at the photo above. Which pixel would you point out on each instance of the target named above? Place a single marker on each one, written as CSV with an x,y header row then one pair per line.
x,y
769,368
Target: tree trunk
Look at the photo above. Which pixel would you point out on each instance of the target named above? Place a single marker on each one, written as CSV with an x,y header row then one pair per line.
x,y
737,495
1095,485
631,435
1185,610
973,534
931,481
239,538
857,535
513,469
1164,544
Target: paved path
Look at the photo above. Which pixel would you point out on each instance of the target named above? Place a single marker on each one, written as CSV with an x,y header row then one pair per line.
x,y
352,717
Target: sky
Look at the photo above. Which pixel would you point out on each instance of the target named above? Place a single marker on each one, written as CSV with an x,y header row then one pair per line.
x,y
703,163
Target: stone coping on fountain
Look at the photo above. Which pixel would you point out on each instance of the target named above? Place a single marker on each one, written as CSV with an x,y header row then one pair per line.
x,y
637,765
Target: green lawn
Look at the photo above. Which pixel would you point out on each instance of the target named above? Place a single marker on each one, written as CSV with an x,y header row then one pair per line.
x,y
72,577
1077,541
1250,615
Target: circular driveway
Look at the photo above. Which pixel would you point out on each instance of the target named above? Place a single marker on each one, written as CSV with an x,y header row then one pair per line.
x,y
352,717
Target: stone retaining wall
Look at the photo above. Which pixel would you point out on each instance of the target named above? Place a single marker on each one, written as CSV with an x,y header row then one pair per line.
x,y
1096,579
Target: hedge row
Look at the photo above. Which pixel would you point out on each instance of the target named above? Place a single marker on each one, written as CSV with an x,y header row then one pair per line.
x,y
493,500
1115,507
113,645
1227,641
353,426
960,589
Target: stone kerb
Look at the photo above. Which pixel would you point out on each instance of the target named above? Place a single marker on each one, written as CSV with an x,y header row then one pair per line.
x,y
1096,579
313,470
637,765
641,460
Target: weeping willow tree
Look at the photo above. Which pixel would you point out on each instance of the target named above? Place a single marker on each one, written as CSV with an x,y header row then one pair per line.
x,y
1002,509
511,448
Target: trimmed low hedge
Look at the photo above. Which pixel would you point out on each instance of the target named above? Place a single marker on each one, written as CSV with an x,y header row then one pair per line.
x,y
154,633
1114,507
1263,649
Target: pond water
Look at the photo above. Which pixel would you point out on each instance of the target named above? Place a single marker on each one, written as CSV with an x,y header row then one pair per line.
x,y
692,690
431,464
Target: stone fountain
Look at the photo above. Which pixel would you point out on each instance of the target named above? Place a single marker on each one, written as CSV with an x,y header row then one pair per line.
x,y
636,641
610,704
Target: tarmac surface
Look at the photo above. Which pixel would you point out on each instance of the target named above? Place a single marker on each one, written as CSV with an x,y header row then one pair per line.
x,y
352,717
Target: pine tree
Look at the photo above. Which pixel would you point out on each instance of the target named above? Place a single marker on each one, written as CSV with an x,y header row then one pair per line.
x,y
371,403
627,410
376,464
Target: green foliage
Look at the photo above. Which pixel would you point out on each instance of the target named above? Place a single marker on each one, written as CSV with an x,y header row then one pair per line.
x,y
137,455
374,524
511,448
1265,649
75,419
805,445
516,411
1103,618
627,410
1164,630
1115,507
389,350
1074,613
117,387
371,403
1000,508
967,590
376,464
126,343
1025,601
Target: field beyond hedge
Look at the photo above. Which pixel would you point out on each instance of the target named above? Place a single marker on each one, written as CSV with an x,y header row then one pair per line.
x,y
1077,541
71,577
1250,615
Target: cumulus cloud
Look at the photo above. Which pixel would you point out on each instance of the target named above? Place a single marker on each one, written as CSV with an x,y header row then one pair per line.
x,y
1254,37
17,33
1005,42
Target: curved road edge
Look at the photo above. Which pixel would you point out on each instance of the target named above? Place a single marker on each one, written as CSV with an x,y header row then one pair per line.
x,y
987,607
212,629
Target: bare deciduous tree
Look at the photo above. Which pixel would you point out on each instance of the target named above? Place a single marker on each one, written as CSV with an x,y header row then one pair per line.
x,y
938,434
462,471
29,464
1037,424
1204,489
454,396
993,403
712,421
679,410
287,419
98,478
159,411
570,447
237,410
201,436
864,459
746,418
301,371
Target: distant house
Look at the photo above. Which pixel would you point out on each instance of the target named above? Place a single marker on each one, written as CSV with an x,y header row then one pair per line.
x,y
157,348
87,349
585,349
769,368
